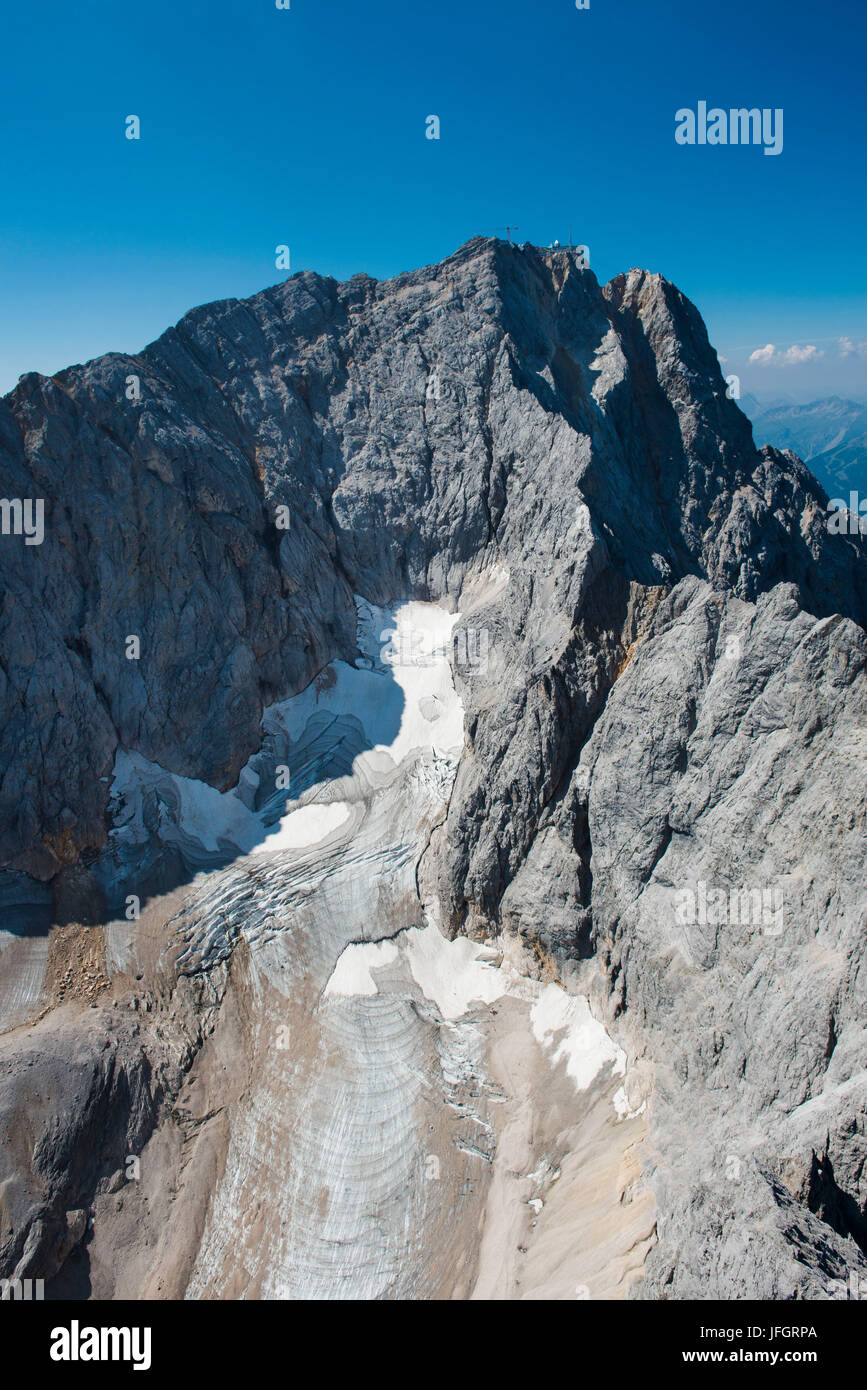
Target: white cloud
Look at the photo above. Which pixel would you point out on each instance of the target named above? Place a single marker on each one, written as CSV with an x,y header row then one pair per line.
x,y
770,355
849,349
802,354
763,355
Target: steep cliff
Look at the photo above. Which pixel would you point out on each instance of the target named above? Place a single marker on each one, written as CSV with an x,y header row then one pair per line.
x,y
625,679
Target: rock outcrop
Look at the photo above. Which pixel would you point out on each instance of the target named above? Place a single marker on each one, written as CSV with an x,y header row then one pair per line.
x,y
652,803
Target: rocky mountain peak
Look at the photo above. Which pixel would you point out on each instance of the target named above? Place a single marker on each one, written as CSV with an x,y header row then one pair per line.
x,y
642,677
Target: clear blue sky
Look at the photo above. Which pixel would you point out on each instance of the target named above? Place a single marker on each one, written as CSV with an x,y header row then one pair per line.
x,y
307,127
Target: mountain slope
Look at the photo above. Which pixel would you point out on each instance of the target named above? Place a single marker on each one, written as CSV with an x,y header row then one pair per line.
x,y
654,652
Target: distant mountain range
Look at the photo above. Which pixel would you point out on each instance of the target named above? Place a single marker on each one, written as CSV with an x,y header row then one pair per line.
x,y
830,435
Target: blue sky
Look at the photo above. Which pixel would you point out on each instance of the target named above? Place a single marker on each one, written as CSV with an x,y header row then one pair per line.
x,y
306,127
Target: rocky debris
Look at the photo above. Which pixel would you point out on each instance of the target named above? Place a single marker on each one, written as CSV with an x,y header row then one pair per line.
x,y
76,964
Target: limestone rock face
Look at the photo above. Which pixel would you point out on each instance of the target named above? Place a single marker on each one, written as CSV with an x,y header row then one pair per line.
x,y
567,679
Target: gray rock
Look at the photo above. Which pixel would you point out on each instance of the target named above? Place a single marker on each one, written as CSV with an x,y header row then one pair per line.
x,y
672,694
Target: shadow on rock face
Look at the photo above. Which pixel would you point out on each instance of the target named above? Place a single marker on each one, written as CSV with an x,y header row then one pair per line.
x,y
834,1206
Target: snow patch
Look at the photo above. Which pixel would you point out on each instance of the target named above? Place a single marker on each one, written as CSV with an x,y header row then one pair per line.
x,y
450,973
584,1045
190,811
623,1107
455,976
308,825
353,972
402,702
